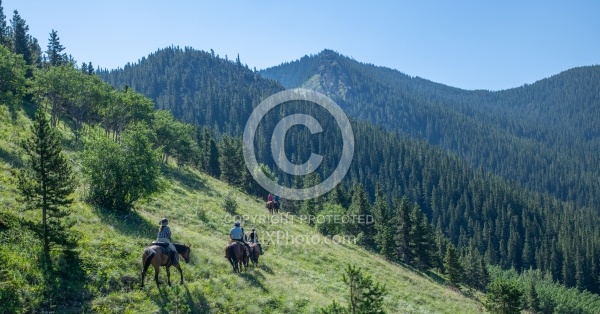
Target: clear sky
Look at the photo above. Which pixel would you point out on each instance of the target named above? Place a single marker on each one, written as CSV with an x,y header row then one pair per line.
x,y
468,44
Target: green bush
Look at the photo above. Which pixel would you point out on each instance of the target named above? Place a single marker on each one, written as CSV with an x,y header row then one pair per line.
x,y
229,203
121,174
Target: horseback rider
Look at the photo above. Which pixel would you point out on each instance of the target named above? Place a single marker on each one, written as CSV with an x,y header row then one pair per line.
x,y
276,200
164,235
270,197
237,234
254,239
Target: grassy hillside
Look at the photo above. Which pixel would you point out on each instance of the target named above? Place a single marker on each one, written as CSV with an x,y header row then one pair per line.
x,y
102,274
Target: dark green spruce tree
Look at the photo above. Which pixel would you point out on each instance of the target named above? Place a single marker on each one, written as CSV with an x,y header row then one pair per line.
x,y
452,265
384,225
363,222
20,38
54,52
4,29
365,296
402,230
504,297
421,239
209,153
48,183
229,161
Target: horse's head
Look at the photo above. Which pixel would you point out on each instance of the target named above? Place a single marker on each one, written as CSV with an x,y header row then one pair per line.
x,y
186,253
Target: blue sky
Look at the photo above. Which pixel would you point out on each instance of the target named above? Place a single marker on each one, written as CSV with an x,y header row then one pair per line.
x,y
468,44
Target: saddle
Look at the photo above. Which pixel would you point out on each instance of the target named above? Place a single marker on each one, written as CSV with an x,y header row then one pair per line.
x,y
164,246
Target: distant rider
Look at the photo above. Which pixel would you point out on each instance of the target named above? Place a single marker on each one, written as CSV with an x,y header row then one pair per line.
x,y
270,197
164,235
276,200
254,239
237,234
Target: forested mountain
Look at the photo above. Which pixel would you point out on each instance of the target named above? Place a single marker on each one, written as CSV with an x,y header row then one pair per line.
x,y
543,135
196,86
510,225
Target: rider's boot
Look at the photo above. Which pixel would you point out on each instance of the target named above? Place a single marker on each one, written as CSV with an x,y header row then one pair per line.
x,y
174,260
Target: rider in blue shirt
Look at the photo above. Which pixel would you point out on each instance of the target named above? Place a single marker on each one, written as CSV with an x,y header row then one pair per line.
x,y
237,234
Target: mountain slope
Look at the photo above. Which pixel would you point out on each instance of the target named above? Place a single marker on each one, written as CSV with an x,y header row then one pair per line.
x,y
510,225
543,135
102,273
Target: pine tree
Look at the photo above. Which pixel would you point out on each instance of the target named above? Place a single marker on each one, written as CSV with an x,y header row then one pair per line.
x,y
361,208
452,265
421,241
20,38
229,163
474,269
334,308
54,52
209,153
365,296
339,196
403,226
90,68
383,225
312,205
49,183
503,297
533,300
4,29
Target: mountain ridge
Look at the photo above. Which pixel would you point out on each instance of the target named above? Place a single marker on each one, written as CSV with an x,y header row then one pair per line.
x,y
550,117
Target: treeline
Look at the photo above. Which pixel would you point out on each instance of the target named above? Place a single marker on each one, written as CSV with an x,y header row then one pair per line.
x,y
543,135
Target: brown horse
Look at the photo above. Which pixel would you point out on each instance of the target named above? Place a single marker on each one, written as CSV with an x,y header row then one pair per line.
x,y
254,253
235,253
271,206
156,256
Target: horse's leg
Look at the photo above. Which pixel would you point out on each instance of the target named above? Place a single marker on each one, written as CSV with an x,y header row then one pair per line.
x,y
180,273
143,269
156,269
231,262
169,275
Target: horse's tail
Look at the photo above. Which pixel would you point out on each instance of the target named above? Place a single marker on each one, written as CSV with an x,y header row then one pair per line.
x,y
232,256
149,255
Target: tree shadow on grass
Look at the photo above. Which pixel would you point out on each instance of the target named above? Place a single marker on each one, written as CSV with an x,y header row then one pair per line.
x,y
64,281
186,178
129,223
254,280
197,301
11,158
435,277
266,268
178,298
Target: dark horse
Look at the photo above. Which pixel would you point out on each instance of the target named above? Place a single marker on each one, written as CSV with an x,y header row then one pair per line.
x,y
272,207
254,253
150,256
235,253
